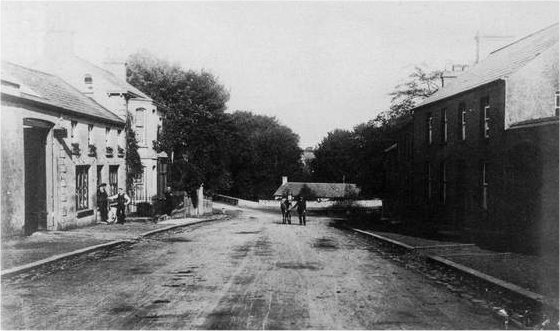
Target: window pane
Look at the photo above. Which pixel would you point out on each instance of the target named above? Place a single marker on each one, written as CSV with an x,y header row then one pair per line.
x,y
113,179
82,187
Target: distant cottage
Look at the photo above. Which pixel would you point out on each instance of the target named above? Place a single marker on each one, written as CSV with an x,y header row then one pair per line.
x,y
311,191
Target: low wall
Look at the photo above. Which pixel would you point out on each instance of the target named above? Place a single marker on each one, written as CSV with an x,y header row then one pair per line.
x,y
314,205
311,205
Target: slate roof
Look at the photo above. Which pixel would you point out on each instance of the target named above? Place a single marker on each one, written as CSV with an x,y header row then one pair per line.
x,y
54,91
73,61
320,190
500,63
118,83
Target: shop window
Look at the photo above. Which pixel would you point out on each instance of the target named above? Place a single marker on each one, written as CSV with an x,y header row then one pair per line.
x,y
113,179
82,196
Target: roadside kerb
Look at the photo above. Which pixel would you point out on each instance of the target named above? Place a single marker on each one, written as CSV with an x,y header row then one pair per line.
x,y
26,267
474,273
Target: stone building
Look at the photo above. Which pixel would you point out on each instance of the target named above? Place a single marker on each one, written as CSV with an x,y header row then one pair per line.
x,y
485,150
107,85
57,146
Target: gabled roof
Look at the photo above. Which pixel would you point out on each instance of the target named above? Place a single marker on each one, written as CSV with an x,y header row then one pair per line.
x,y
500,63
111,78
319,190
51,90
71,60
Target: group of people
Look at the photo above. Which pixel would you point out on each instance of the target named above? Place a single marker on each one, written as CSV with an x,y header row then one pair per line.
x,y
121,199
286,208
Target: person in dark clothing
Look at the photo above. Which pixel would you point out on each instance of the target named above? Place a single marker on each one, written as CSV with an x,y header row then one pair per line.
x,y
287,205
301,206
283,210
168,201
102,202
122,200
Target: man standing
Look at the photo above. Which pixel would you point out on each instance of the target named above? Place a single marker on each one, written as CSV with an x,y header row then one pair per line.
x,y
168,201
287,205
102,202
122,200
301,206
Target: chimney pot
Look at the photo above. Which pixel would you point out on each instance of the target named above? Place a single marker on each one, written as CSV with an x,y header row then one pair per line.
x,y
284,179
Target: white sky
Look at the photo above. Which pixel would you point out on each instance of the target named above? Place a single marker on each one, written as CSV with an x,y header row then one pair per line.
x,y
316,66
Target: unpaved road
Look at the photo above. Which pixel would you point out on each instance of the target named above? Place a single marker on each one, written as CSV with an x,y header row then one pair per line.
x,y
247,273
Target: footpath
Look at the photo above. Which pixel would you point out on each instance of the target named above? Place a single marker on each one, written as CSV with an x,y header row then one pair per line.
x,y
532,278
26,253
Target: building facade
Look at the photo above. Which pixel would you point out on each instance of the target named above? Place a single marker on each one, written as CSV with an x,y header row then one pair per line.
x,y
57,147
485,156
107,85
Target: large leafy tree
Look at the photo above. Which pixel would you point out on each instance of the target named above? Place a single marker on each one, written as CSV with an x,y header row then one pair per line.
x,y
335,157
358,154
196,131
265,151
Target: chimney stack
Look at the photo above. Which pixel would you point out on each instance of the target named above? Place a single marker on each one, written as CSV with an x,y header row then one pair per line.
x,y
448,75
284,179
59,44
116,67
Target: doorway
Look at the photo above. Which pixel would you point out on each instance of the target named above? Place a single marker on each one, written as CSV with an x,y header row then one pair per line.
x,y
34,142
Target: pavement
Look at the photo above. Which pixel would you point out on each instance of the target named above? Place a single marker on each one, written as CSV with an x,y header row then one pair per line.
x,y
25,253
529,278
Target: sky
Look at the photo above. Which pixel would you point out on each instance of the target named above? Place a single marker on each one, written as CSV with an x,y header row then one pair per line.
x,y
315,66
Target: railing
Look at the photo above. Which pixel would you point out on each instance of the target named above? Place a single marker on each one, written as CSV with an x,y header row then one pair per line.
x,y
226,199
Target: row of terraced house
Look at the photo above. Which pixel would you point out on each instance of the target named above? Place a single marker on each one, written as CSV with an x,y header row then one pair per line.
x,y
63,121
479,159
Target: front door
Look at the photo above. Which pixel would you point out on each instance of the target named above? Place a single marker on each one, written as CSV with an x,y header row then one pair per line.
x,y
34,141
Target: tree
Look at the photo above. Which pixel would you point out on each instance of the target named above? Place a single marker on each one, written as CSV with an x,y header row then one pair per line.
x,y
133,162
196,131
420,85
358,154
335,157
265,151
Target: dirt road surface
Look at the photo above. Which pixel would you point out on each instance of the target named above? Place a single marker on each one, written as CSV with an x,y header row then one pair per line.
x,y
250,272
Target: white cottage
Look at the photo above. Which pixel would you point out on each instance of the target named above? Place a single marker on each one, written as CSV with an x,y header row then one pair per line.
x,y
107,85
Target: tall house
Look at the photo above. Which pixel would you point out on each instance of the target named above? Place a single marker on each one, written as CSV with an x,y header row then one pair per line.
x,y
107,85
485,158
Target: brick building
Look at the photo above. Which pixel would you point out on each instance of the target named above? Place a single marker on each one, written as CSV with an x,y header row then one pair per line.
x,y
484,163
55,151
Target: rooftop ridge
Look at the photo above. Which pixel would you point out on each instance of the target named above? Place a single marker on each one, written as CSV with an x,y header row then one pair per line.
x,y
523,38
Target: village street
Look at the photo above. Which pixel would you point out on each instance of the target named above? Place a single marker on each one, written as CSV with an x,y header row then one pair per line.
x,y
250,272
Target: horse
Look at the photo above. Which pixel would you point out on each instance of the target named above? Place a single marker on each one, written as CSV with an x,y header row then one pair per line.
x,y
286,212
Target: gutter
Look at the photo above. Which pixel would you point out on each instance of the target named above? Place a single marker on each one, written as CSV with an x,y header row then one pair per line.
x,y
58,109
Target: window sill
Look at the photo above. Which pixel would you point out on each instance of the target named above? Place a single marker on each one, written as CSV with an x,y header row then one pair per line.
x,y
84,213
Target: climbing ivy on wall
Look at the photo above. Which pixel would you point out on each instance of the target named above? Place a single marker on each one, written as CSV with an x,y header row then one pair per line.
x,y
132,159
